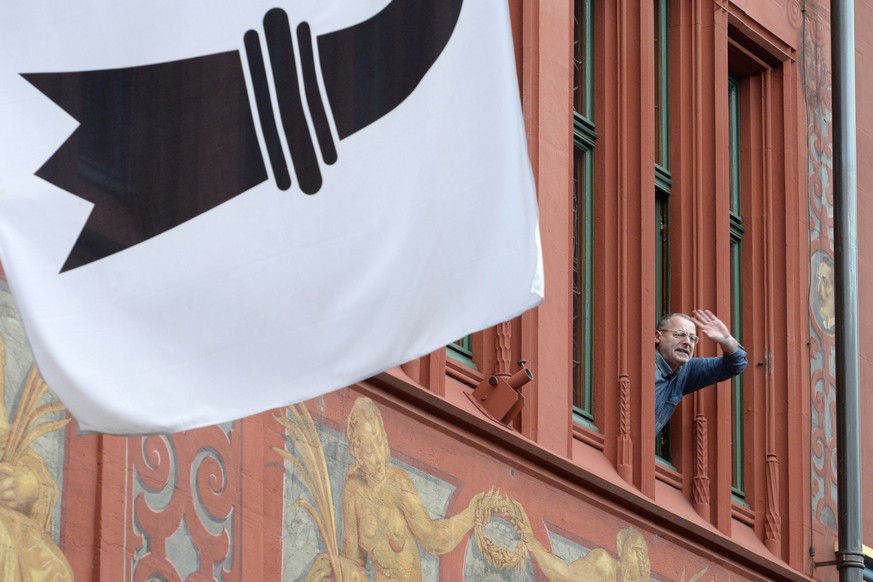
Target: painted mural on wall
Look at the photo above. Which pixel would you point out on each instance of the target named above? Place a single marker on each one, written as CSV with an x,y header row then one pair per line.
x,y
186,492
815,67
31,458
385,519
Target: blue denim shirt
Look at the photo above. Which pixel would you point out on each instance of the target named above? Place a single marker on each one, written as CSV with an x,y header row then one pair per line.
x,y
698,373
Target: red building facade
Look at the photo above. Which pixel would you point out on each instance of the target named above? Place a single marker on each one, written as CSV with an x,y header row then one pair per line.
x,y
683,159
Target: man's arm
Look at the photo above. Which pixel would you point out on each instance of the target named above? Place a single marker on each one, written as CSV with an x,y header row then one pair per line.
x,y
703,372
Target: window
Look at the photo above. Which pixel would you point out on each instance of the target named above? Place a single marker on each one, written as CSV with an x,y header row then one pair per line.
x,y
736,239
462,351
663,183
584,138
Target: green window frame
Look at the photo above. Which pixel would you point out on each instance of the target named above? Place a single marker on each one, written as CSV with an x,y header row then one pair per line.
x,y
663,185
584,138
462,351
736,261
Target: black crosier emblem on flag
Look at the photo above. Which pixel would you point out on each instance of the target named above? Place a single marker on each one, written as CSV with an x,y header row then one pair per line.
x,y
160,144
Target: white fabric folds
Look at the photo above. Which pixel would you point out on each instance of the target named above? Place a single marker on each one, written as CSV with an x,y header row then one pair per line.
x,y
194,235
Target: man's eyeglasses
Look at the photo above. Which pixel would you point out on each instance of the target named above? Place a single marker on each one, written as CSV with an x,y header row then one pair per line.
x,y
681,335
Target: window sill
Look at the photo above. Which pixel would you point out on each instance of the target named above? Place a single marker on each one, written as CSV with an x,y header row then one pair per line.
x,y
588,435
668,474
463,373
742,513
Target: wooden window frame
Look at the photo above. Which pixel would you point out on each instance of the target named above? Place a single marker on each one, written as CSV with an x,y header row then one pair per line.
x,y
738,489
663,186
584,139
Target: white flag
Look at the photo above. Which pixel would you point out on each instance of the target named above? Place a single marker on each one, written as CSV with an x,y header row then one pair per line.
x,y
213,208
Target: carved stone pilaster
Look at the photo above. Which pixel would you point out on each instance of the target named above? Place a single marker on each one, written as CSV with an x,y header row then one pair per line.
x,y
503,349
700,481
773,520
624,464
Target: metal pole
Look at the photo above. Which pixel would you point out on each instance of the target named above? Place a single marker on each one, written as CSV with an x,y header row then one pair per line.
x,y
850,555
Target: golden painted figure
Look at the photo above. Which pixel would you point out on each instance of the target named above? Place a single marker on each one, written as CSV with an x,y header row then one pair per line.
x,y
28,491
696,577
383,514
631,565
825,299
384,517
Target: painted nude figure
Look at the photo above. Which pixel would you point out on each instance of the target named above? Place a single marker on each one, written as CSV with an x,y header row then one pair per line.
x,y
28,496
383,515
631,564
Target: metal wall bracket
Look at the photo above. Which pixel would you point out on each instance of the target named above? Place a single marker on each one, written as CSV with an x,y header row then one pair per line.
x,y
499,397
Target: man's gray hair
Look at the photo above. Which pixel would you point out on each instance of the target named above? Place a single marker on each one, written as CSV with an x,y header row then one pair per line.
x,y
665,319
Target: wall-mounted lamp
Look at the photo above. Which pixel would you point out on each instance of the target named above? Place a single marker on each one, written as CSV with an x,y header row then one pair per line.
x,y
499,397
